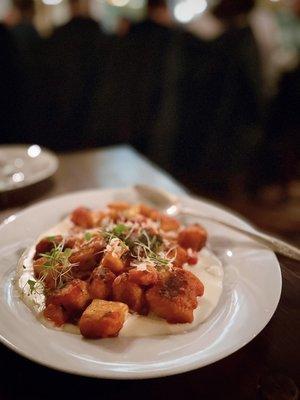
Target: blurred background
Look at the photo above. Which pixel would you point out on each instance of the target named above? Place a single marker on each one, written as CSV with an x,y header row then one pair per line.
x,y
207,89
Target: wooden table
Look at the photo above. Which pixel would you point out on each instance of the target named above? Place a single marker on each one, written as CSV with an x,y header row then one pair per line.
x,y
266,368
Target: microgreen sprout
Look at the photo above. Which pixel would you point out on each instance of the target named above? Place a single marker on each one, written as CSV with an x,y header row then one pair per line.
x,y
88,236
116,233
56,265
147,249
31,283
51,238
119,229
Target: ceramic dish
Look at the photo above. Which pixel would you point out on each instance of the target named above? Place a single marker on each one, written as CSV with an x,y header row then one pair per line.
x,y
251,291
22,166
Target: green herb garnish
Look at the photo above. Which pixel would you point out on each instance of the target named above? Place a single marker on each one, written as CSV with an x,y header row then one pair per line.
x,y
56,264
145,248
57,256
31,285
88,236
51,238
119,229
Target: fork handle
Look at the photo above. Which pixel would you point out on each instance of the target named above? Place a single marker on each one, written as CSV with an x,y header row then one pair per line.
x,y
277,245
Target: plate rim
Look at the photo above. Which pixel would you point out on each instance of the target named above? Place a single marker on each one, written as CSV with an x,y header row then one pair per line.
x,y
211,203
123,375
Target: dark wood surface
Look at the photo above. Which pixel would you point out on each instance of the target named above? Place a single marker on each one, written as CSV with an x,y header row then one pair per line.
x,y
266,368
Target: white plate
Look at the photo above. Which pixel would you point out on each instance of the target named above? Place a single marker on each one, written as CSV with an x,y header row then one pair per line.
x,y
252,286
22,165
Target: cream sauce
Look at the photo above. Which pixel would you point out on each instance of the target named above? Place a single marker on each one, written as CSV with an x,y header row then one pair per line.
x,y
208,269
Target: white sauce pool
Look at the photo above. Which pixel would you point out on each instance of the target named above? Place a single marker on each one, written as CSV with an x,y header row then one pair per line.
x,y
208,269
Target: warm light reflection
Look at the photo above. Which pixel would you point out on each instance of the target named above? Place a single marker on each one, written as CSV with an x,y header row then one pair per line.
x,y
34,151
51,2
185,11
9,219
182,13
229,253
18,177
119,3
172,210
